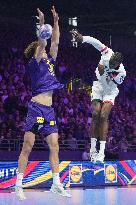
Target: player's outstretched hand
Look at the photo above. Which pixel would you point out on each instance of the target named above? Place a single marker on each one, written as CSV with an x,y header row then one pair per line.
x,y
55,14
78,37
41,17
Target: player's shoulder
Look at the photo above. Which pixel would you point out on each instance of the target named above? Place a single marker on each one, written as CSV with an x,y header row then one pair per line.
x,y
32,60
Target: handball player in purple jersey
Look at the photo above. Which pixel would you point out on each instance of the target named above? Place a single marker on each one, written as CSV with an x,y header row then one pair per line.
x,y
40,117
110,73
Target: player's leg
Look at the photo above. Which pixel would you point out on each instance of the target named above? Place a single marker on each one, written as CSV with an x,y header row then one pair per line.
x,y
104,123
52,141
96,109
31,128
108,102
57,187
104,120
96,98
29,139
50,130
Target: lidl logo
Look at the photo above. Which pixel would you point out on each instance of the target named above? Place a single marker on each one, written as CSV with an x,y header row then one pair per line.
x,y
75,174
110,173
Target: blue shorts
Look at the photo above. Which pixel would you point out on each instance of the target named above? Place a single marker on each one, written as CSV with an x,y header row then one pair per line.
x,y
40,119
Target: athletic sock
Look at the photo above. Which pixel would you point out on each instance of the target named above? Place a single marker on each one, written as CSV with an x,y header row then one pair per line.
x,y
102,147
93,144
19,179
56,178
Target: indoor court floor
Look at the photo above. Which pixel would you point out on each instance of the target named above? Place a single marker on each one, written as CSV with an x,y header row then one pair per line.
x,y
102,196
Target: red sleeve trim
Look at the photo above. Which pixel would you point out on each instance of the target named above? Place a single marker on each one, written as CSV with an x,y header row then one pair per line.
x,y
104,49
107,101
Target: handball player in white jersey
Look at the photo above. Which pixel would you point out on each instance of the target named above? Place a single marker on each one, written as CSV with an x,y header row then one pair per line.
x,y
110,73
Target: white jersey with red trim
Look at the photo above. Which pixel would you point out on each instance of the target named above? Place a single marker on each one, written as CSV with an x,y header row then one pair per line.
x,y
111,77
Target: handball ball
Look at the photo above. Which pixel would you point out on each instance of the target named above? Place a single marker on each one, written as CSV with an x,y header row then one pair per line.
x,y
45,31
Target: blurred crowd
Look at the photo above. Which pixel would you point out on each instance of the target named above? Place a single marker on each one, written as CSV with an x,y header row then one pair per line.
x,y
72,106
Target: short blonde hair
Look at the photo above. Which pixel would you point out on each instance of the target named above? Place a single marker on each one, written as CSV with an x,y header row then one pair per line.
x,y
30,50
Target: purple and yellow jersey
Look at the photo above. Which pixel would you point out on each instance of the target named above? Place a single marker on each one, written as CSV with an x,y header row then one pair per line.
x,y
42,76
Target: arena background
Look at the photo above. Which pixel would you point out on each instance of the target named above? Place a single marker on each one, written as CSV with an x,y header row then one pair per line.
x,y
115,25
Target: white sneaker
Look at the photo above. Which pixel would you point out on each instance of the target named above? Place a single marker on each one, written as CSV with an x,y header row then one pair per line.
x,y
100,157
93,156
19,193
58,189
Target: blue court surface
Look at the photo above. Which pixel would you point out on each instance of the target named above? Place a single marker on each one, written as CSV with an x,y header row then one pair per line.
x,y
102,196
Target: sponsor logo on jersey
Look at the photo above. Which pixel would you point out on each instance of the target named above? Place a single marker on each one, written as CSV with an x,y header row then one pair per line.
x,y
40,120
51,67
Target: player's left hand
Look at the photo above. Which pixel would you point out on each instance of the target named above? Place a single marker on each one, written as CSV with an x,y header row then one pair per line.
x,y
55,14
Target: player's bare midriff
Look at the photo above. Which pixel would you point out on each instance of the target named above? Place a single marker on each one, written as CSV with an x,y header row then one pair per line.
x,y
43,98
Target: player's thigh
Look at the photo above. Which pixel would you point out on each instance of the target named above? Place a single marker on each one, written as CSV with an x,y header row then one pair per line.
x,y
97,92
96,106
105,110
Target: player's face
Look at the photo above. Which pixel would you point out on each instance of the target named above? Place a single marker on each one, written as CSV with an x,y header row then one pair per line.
x,y
113,63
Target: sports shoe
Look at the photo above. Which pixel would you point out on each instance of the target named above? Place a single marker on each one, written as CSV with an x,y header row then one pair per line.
x,y
93,156
58,189
100,157
19,193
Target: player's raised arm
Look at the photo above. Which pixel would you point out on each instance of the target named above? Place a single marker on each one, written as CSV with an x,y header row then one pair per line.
x,y
88,39
55,35
41,23
41,42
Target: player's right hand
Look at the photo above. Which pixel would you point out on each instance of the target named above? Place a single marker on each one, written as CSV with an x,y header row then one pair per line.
x,y
78,37
41,16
